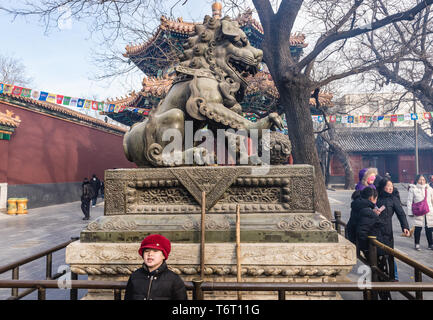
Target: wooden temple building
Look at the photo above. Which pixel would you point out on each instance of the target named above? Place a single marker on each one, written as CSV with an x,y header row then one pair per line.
x,y
158,56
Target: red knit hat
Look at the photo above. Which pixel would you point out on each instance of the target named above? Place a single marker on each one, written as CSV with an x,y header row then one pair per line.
x,y
158,242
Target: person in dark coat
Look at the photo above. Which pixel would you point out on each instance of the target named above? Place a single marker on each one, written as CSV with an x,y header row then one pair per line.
x,y
370,224
389,197
357,204
154,281
87,194
96,184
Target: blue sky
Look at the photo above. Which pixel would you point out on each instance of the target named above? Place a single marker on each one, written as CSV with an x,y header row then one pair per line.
x,y
61,61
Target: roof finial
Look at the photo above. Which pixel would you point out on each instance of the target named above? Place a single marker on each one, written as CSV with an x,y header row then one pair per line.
x,y
217,10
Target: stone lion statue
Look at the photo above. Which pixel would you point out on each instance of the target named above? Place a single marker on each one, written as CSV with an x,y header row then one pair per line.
x,y
210,82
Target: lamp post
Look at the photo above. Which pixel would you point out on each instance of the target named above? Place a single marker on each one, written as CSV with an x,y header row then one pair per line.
x,y
416,137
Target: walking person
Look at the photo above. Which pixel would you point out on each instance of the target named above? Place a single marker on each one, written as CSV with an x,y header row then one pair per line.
x,y
86,195
389,198
96,185
154,281
420,205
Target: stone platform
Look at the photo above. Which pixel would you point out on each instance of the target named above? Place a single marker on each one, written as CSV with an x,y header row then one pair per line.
x,y
283,238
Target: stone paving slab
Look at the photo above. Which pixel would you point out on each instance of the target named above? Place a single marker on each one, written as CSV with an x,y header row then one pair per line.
x,y
41,229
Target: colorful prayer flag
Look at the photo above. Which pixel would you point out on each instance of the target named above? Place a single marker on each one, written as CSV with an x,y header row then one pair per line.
x,y
17,90
87,104
111,108
43,96
51,98
332,118
122,108
8,88
26,93
116,109
66,101
407,117
387,118
350,119
379,118
338,119
36,94
427,115
59,99
80,103
400,117
94,105
414,116
1,87
393,118
320,118
101,106
73,102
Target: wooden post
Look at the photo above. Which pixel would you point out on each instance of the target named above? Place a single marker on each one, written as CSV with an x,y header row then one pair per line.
x,y
238,248
203,229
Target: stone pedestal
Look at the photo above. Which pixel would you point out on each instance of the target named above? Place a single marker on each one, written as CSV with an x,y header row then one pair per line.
x,y
283,239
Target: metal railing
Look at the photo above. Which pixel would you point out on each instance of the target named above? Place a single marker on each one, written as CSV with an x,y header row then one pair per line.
x,y
198,287
15,267
372,261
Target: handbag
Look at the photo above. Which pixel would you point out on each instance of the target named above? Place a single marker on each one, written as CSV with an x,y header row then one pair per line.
x,y
421,208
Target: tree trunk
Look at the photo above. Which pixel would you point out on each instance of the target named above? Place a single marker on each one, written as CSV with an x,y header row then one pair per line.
x,y
343,157
294,96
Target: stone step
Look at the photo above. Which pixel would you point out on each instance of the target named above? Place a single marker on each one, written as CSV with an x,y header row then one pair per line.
x,y
294,227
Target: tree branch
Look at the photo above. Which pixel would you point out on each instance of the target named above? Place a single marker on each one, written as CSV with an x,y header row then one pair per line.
x,y
406,15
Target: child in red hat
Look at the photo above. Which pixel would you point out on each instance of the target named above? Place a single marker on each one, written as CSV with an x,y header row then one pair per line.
x,y
154,281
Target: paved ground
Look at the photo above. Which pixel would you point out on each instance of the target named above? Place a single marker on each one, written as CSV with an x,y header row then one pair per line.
x,y
40,229
340,200
46,227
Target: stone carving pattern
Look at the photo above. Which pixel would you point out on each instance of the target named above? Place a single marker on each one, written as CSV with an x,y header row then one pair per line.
x,y
302,222
248,194
115,223
225,270
210,225
114,196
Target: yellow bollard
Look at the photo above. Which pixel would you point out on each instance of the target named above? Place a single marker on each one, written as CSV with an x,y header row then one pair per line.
x,y
22,206
12,206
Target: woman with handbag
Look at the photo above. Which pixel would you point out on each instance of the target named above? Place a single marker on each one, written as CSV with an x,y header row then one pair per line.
x,y
420,205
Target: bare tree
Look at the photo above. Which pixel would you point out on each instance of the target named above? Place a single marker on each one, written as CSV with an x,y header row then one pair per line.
x,y
339,26
13,71
414,70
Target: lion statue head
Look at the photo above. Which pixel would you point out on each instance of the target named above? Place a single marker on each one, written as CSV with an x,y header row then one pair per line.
x,y
223,48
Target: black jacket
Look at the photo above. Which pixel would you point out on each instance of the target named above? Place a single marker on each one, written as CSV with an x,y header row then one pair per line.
x,y
87,192
392,204
369,225
160,284
96,184
356,206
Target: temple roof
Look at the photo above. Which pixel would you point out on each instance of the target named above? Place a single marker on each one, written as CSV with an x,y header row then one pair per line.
x,y
66,112
162,49
379,139
8,120
261,83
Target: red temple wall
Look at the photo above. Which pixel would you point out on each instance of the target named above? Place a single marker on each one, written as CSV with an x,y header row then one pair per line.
x,y
46,149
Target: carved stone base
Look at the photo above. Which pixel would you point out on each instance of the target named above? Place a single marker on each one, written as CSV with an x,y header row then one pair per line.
x,y
261,262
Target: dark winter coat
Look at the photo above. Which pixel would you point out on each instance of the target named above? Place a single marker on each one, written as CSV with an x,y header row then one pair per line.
x,y
96,184
87,192
369,225
392,205
356,206
160,284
